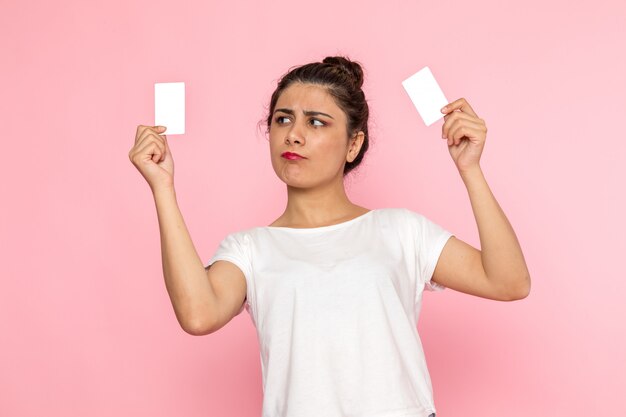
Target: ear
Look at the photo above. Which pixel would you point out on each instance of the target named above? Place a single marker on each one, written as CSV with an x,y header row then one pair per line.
x,y
354,146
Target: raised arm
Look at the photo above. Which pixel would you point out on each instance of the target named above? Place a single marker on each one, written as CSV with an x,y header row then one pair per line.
x,y
203,300
498,271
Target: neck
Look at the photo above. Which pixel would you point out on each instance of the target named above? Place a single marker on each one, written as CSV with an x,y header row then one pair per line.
x,y
317,206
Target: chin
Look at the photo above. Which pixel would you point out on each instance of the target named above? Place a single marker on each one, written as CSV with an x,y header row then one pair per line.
x,y
294,179
290,174
294,182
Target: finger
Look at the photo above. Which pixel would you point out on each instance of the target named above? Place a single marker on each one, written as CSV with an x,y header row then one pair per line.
x,y
459,123
149,133
458,113
454,116
141,131
467,129
150,151
162,147
167,147
158,154
460,104
462,132
166,150
153,149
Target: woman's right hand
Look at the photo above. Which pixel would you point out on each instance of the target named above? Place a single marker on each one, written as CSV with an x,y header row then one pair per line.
x,y
152,157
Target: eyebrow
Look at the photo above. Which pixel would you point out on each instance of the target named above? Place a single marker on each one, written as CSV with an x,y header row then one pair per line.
x,y
306,112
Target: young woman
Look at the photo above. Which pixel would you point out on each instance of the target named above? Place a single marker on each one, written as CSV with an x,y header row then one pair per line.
x,y
334,289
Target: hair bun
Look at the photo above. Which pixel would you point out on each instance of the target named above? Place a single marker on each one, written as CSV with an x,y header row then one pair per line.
x,y
352,68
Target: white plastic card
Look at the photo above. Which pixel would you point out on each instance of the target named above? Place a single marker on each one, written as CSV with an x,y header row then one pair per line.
x,y
426,95
169,107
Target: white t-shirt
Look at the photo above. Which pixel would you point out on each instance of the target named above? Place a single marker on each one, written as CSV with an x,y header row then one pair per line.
x,y
336,310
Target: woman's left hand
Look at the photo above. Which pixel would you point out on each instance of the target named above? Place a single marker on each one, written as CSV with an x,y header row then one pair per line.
x,y
466,134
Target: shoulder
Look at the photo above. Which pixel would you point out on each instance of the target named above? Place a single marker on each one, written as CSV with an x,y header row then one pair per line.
x,y
414,217
417,225
397,220
241,237
396,212
400,214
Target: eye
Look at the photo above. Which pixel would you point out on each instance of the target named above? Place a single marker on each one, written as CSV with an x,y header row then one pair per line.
x,y
278,119
317,120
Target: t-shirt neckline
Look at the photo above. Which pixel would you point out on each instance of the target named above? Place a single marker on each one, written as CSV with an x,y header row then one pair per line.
x,y
321,228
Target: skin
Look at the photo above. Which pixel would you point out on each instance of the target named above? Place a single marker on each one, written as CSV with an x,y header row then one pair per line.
x,y
315,189
316,194
316,197
498,271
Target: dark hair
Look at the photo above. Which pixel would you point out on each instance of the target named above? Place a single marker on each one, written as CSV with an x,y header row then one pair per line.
x,y
343,79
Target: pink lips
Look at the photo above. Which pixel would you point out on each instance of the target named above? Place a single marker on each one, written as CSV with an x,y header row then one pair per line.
x,y
291,156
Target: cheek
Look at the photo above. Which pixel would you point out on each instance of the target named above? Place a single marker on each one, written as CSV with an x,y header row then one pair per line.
x,y
333,151
272,141
274,137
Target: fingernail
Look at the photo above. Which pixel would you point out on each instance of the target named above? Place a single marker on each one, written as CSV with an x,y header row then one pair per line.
x,y
443,109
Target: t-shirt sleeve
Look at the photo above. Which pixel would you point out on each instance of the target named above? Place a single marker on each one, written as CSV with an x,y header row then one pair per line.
x,y
233,248
430,240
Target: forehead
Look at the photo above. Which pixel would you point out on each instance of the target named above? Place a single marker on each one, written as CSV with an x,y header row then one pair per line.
x,y
307,97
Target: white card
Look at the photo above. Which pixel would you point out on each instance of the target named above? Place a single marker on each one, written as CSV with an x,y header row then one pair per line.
x,y
426,95
169,107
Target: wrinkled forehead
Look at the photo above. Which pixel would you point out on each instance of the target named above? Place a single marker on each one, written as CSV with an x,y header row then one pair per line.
x,y
307,97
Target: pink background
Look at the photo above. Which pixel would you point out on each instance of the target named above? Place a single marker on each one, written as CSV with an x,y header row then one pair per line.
x,y
86,323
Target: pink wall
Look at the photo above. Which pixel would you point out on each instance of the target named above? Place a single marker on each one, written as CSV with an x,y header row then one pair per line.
x,y
87,326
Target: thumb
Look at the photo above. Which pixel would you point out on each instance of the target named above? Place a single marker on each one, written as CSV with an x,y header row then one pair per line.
x,y
160,128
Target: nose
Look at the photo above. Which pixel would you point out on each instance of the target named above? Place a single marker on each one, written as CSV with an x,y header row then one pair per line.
x,y
294,134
